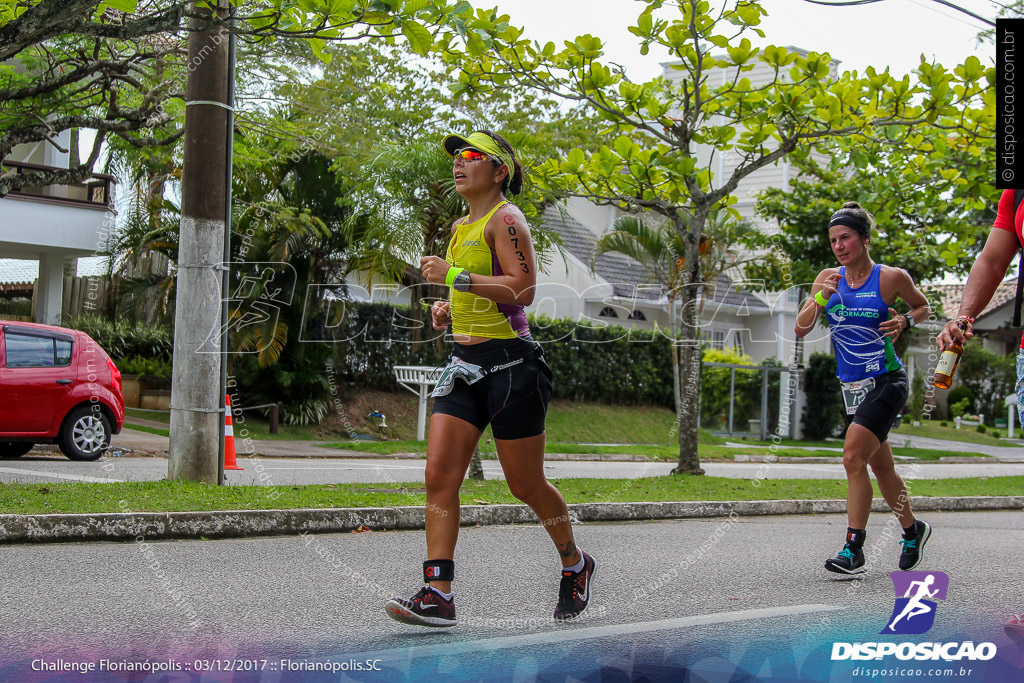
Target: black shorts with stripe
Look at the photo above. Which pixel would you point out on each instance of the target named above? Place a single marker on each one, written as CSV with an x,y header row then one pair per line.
x,y
513,400
880,407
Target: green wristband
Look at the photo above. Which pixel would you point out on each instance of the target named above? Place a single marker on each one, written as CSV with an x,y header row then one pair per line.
x,y
453,273
820,300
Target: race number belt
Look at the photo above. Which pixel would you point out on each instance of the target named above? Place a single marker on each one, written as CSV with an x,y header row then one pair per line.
x,y
854,393
467,372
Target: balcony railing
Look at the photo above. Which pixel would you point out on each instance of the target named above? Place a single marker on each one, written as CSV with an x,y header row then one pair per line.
x,y
94,192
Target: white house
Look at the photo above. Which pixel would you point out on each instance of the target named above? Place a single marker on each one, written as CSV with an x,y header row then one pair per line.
x,y
54,225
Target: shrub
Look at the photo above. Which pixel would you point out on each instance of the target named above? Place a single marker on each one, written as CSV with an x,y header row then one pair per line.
x,y
943,424
989,376
157,368
824,409
958,394
960,407
916,405
715,388
601,364
123,339
980,429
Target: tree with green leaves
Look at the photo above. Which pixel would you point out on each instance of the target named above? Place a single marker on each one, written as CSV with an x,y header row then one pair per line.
x,y
932,217
664,136
658,247
117,68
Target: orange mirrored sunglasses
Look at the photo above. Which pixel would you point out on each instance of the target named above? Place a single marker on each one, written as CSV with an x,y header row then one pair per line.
x,y
470,154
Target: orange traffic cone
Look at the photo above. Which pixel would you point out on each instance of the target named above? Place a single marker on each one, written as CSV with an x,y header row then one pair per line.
x,y
229,437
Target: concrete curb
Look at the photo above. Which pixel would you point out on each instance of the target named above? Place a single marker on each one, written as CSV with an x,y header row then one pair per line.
x,y
126,526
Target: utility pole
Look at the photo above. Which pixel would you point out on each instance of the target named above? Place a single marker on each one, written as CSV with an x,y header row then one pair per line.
x,y
197,404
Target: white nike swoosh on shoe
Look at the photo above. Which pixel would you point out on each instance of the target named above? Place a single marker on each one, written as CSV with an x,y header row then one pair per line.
x,y
585,595
424,606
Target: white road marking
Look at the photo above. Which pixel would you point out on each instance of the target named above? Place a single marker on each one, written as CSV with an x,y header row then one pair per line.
x,y
567,635
54,475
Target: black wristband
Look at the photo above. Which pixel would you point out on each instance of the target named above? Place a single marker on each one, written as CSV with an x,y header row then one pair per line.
x,y
438,570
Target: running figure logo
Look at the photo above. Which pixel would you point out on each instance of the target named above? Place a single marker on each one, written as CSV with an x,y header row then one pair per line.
x,y
914,612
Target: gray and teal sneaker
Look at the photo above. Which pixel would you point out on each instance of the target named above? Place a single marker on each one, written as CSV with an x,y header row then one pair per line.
x,y
850,560
913,545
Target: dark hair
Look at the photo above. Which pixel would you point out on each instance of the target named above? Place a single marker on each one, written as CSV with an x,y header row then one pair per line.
x,y
514,180
863,221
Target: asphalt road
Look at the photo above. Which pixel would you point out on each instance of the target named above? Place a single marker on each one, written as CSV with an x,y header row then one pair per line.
x,y
288,471
713,596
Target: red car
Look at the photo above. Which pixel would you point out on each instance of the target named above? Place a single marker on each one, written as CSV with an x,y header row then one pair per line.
x,y
56,386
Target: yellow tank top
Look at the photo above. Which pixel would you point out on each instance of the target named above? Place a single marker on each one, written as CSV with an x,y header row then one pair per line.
x,y
472,314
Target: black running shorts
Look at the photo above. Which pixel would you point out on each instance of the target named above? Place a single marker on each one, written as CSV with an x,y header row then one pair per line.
x,y
880,407
513,400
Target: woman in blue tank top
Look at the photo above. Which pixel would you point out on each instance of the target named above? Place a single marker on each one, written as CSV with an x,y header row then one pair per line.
x,y
857,299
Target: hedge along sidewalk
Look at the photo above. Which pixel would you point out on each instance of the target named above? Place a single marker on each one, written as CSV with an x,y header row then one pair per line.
x,y
127,526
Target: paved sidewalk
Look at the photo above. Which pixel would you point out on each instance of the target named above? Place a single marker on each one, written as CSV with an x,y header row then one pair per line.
x,y
1004,453
137,441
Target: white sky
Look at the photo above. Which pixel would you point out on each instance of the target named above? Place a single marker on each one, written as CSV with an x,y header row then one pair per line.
x,y
890,33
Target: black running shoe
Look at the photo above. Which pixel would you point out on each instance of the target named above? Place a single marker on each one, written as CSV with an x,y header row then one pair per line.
x,y
850,560
913,547
426,608
574,591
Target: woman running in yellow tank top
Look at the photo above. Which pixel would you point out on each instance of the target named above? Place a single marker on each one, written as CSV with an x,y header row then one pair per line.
x,y
496,376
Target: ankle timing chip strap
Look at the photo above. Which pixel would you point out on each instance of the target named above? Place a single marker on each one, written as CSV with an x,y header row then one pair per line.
x,y
439,570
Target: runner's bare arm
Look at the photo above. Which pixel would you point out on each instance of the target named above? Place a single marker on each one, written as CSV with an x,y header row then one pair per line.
x,y
508,235
986,274
896,282
826,284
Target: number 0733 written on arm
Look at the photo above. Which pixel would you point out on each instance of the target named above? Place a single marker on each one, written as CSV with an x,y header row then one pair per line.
x,y
513,238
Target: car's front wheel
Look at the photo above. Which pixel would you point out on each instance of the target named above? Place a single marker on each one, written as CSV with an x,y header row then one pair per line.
x,y
85,434
14,449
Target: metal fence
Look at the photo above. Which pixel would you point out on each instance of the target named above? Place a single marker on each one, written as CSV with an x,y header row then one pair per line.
x,y
760,399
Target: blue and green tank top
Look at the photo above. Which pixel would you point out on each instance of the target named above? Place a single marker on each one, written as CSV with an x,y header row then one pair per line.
x,y
854,315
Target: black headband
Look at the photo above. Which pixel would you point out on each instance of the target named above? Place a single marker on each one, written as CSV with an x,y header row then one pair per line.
x,y
858,224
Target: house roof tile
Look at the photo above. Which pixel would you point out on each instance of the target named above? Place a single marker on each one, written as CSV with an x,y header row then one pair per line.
x,y
951,294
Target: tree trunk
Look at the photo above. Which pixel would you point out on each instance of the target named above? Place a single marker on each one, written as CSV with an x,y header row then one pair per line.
x,y
690,370
675,355
476,465
690,349
196,403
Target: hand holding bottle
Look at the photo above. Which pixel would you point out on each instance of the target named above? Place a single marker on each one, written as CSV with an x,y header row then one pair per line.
x,y
955,333
952,349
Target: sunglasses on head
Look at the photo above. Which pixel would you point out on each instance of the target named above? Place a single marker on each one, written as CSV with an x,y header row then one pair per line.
x,y
470,154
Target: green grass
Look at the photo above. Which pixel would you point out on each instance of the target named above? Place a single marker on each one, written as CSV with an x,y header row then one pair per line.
x,y
166,496
154,415
932,429
380,447
567,421
256,427
666,452
932,454
596,423
147,429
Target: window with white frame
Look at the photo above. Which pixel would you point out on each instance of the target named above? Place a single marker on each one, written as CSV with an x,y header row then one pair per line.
x,y
737,341
714,339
